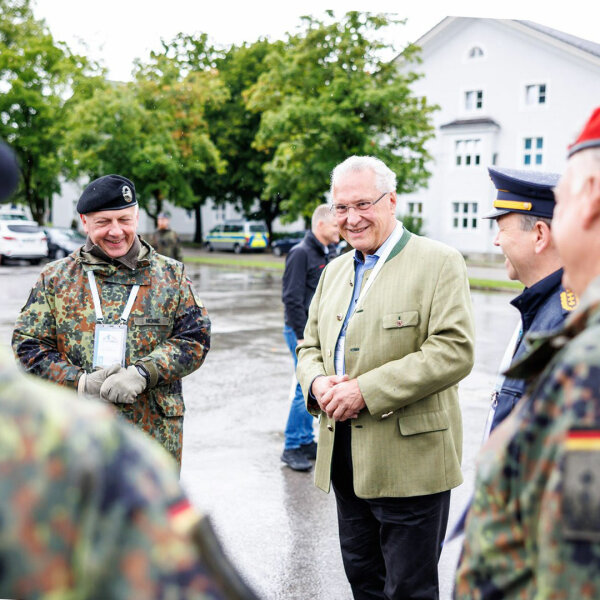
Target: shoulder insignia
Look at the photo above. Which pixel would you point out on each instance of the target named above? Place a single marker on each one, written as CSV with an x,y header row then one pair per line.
x,y
568,300
581,485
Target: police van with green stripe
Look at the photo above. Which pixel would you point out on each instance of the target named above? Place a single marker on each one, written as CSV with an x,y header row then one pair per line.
x,y
238,236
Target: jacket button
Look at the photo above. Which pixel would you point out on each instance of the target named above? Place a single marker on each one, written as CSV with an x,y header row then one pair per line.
x,y
339,316
386,415
329,352
330,426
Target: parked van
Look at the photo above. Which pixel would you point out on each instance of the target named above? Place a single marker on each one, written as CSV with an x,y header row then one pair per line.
x,y
238,236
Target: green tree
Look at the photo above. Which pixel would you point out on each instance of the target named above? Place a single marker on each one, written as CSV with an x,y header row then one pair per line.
x,y
232,125
152,130
328,94
37,76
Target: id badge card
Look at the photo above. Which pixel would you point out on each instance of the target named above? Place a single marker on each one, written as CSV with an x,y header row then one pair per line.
x,y
109,345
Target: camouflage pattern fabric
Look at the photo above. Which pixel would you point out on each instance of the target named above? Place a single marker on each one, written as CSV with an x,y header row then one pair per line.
x,y
168,331
166,242
89,507
533,530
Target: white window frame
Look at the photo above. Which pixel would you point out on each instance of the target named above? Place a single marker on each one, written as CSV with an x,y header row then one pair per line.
x,y
476,92
533,152
464,215
469,151
469,58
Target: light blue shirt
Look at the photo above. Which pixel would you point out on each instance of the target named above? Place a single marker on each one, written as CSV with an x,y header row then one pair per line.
x,y
361,265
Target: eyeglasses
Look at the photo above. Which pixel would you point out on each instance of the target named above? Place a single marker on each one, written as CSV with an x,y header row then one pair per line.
x,y
362,206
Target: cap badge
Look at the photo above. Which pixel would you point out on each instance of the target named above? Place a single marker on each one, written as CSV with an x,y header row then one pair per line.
x,y
127,195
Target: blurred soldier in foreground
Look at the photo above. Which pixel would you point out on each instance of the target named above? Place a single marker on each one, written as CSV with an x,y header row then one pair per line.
x,y
115,320
533,530
523,212
164,240
389,336
89,507
303,267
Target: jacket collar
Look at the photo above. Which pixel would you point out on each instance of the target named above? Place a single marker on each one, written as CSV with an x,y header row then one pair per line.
x,y
528,302
543,346
138,255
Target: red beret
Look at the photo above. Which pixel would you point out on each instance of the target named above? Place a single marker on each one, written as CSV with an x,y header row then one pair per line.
x,y
589,137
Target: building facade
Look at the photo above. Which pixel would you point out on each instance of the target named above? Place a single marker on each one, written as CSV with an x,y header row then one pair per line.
x,y
511,94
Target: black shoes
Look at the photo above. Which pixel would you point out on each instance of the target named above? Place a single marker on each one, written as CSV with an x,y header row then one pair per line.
x,y
310,450
296,459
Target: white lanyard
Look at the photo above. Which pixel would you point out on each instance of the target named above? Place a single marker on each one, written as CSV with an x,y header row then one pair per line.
x,y
98,307
393,240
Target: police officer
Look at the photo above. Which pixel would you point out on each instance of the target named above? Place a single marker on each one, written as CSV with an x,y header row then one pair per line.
x,y
534,527
115,320
165,240
523,213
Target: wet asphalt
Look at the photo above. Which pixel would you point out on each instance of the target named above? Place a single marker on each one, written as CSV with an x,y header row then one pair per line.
x,y
278,529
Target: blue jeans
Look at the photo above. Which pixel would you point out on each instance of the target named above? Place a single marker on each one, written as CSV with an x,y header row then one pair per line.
x,y
299,428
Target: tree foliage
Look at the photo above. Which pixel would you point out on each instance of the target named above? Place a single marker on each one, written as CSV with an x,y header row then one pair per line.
x,y
231,124
328,94
37,75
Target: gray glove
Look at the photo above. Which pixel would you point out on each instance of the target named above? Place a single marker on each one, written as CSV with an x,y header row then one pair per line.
x,y
123,387
90,383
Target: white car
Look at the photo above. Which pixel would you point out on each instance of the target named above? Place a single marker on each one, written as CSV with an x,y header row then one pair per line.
x,y
21,238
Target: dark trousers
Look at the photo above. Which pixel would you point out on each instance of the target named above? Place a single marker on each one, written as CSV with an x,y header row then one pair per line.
x,y
390,546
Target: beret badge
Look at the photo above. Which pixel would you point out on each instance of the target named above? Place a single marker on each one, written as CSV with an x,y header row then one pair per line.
x,y
127,195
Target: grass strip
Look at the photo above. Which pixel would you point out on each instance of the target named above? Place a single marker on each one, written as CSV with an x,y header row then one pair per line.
x,y
494,284
219,261
253,263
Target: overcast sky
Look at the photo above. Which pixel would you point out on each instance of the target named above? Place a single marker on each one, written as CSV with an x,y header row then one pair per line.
x,y
116,32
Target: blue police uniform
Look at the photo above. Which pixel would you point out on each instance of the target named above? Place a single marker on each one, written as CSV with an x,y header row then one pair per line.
x,y
544,305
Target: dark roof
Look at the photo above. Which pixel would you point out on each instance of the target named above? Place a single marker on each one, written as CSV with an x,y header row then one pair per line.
x,y
579,43
462,122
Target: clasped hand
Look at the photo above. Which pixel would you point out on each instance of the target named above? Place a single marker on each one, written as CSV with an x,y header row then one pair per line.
x,y
338,396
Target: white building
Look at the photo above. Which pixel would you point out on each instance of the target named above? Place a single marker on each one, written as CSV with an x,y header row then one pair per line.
x,y
512,94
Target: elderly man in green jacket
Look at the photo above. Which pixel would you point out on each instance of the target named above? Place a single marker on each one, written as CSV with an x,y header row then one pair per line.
x,y
389,336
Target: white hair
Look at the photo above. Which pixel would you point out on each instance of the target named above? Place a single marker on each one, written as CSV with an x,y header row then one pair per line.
x,y
385,178
321,213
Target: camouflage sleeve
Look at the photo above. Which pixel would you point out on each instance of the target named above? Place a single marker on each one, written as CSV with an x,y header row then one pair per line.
x,y
153,553
185,350
34,339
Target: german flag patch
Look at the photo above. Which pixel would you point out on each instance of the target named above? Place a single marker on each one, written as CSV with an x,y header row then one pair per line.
x,y
568,300
183,516
581,486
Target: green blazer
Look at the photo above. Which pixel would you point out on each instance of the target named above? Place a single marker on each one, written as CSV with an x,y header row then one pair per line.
x,y
409,343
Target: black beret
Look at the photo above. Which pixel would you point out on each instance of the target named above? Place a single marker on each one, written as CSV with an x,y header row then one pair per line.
x,y
110,192
524,192
9,172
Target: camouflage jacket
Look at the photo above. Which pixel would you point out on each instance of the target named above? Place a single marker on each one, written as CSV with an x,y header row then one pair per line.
x,y
89,507
168,330
533,530
166,242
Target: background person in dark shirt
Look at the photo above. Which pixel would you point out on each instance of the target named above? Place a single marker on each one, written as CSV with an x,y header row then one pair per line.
x,y
303,267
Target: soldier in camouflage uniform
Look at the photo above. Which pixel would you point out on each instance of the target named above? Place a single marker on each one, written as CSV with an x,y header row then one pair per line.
x,y
89,507
165,240
167,329
533,530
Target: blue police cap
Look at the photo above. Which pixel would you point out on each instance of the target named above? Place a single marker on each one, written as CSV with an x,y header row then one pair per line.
x,y
9,172
525,192
110,192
